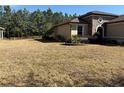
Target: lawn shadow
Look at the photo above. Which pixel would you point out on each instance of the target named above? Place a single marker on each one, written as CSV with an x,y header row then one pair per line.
x,y
82,44
46,41
109,44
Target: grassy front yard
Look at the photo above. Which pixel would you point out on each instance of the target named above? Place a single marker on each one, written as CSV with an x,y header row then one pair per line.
x,y
33,63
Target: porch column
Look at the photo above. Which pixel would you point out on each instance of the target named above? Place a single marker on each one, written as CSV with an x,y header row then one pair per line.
x,y
2,35
83,27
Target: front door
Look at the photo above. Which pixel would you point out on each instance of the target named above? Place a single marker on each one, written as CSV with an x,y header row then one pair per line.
x,y
100,31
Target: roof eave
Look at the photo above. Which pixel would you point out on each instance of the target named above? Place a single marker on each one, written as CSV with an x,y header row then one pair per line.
x,y
91,14
114,22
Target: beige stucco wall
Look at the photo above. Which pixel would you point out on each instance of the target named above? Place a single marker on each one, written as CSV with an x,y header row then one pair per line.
x,y
115,30
64,31
96,24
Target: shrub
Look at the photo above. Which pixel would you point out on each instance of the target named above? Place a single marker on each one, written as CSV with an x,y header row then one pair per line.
x,y
47,35
97,39
97,35
60,38
75,40
109,41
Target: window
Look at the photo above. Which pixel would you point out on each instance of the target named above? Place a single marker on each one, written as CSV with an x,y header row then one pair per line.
x,y
80,30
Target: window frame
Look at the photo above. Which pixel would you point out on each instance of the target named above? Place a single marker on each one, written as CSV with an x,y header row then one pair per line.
x,y
82,27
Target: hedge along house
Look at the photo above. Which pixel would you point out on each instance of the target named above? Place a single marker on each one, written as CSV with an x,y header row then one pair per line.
x,y
1,33
85,26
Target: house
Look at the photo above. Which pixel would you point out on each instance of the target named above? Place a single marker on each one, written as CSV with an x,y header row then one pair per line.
x,y
85,26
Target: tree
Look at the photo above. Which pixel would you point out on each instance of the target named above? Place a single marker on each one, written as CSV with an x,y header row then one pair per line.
x,y
66,17
17,23
1,11
7,20
36,18
24,23
25,18
49,15
74,15
1,14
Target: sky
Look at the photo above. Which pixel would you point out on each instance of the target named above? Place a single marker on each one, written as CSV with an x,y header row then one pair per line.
x,y
71,9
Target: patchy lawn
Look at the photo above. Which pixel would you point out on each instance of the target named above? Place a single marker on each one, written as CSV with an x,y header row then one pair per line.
x,y
34,63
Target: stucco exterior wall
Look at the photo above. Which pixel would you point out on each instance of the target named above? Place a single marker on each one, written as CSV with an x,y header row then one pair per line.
x,y
115,30
96,24
68,30
64,31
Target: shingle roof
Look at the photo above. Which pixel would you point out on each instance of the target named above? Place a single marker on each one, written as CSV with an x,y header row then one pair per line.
x,y
118,19
99,12
75,20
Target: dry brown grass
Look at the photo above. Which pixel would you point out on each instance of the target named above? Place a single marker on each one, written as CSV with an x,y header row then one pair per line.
x,y
33,63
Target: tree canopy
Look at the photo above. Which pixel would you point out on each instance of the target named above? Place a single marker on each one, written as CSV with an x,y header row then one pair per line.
x,y
24,23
